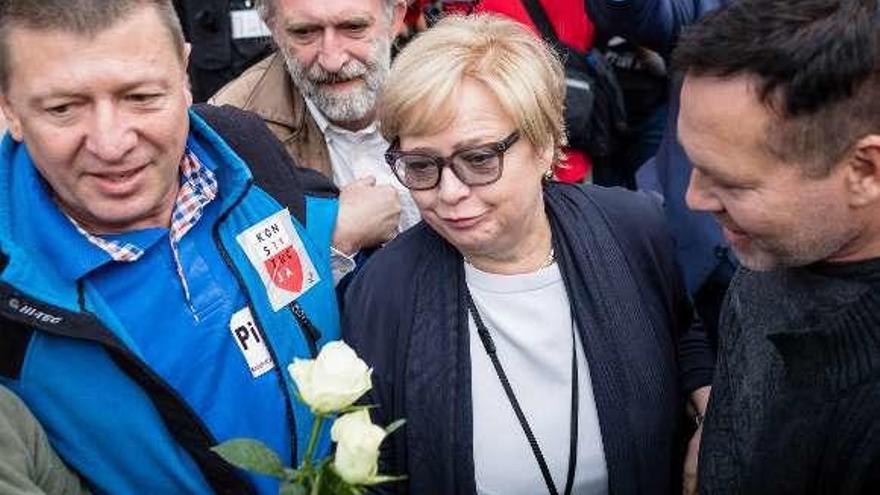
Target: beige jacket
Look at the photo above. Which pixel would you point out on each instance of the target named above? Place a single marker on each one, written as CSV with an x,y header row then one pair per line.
x,y
267,90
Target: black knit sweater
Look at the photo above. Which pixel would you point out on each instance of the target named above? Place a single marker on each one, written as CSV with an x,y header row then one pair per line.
x,y
795,405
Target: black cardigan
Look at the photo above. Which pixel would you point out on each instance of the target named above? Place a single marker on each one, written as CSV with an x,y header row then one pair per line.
x,y
405,315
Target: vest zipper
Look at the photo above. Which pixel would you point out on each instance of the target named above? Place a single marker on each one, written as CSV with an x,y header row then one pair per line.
x,y
279,367
310,331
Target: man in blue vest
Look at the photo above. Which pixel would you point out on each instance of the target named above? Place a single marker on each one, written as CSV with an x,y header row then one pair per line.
x,y
159,266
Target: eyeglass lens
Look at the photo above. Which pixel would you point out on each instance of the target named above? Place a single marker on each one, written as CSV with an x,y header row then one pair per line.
x,y
474,167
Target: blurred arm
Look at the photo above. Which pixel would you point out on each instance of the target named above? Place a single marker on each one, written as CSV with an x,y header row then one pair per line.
x,y
28,464
655,24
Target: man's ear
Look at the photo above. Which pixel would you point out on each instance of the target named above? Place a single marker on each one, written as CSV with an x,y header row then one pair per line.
x,y
398,17
863,171
187,51
13,121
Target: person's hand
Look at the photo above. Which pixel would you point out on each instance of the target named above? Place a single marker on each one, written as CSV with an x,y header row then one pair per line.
x,y
690,463
368,215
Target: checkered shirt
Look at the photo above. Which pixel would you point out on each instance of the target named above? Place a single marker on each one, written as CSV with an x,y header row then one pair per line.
x,y
198,187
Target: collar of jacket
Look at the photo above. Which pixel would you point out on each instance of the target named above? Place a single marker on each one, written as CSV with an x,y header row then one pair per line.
x,y
25,272
284,107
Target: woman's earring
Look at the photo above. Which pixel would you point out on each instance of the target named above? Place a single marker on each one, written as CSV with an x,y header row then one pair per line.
x,y
548,175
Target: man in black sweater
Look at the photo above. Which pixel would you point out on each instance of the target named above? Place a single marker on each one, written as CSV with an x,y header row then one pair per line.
x,y
780,115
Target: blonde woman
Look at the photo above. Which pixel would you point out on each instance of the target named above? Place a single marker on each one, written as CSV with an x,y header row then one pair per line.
x,y
526,330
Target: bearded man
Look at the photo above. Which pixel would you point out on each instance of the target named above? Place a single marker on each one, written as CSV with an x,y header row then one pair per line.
x,y
318,95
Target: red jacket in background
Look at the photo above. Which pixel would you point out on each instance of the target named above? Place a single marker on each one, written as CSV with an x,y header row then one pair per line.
x,y
569,18
574,28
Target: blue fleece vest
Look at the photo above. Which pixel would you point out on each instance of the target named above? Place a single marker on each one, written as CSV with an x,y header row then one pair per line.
x,y
120,327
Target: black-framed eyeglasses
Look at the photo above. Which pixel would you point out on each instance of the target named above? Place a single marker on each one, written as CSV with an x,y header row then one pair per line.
x,y
475,166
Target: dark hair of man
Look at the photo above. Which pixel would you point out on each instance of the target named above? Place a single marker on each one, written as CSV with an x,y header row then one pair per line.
x,y
816,65
84,17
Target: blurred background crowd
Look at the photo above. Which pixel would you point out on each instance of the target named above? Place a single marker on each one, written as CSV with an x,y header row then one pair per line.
x,y
222,51
620,48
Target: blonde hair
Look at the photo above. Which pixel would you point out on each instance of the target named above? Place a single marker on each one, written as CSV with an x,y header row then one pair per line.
x,y
522,71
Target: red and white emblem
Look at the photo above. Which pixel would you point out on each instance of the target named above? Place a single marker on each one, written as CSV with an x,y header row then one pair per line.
x,y
286,270
276,251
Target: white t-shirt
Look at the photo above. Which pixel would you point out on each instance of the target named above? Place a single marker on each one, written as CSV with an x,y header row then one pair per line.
x,y
529,319
358,154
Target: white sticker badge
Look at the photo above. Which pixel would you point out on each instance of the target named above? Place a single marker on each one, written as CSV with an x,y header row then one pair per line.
x,y
279,256
247,24
252,346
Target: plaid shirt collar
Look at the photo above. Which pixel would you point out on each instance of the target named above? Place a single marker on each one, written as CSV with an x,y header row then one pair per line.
x,y
198,187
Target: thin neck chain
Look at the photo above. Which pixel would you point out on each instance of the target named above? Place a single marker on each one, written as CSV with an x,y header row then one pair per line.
x,y
551,258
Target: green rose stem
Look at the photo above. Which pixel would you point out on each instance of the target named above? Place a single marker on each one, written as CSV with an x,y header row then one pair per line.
x,y
313,440
316,488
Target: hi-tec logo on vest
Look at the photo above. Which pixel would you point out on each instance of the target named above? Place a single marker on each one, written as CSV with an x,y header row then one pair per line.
x,y
23,308
277,253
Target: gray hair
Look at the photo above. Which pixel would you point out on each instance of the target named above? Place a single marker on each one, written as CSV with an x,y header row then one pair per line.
x,y
266,8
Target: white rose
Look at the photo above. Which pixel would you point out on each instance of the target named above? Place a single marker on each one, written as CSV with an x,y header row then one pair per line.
x,y
357,450
332,381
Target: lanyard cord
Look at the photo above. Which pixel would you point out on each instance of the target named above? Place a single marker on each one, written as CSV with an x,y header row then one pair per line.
x,y
489,345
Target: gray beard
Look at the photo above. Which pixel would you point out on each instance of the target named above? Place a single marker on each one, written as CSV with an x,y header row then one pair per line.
x,y
350,105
